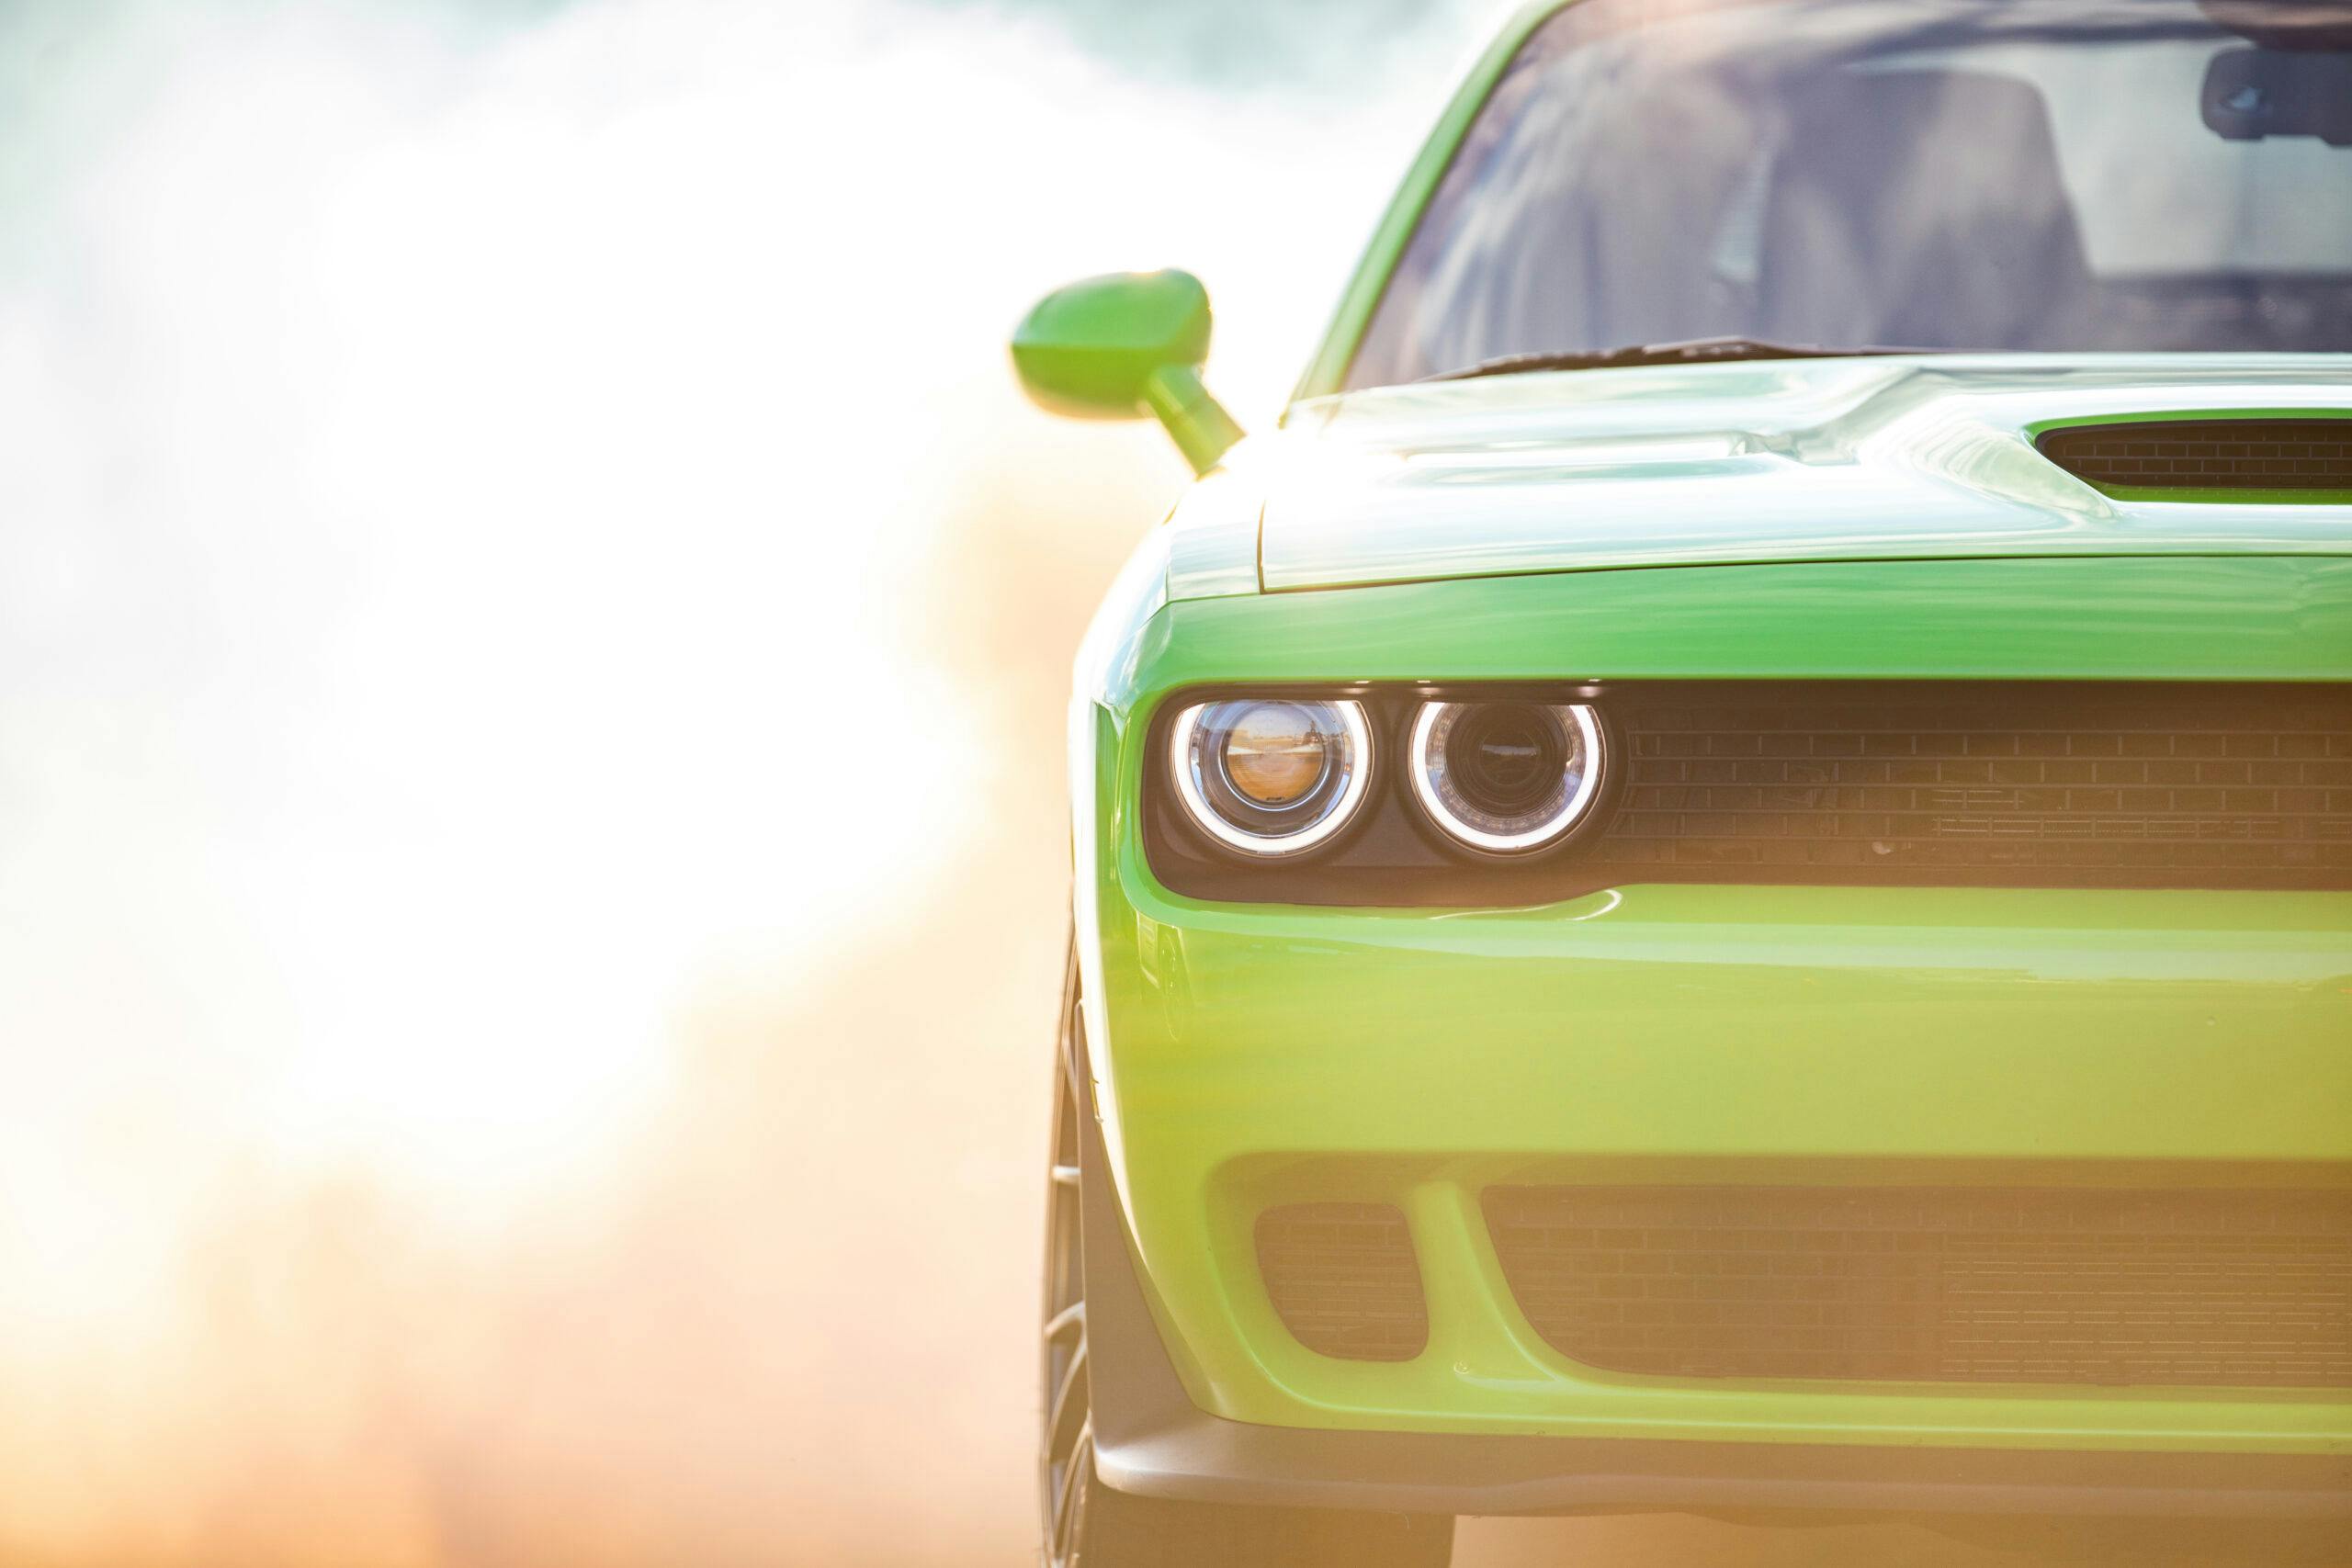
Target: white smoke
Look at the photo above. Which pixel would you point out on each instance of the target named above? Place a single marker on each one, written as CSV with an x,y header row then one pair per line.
x,y
520,567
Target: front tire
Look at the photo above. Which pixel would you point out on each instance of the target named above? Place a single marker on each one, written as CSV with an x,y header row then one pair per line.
x,y
1088,1525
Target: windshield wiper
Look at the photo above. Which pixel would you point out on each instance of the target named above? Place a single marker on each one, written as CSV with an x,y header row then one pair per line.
x,y
1691,351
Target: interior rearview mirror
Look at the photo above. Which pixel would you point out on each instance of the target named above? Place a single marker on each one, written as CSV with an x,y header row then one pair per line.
x,y
2253,92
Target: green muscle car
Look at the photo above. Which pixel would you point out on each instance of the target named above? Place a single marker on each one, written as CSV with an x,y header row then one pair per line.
x,y
1721,877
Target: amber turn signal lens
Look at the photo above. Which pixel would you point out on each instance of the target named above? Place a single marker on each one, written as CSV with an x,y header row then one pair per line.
x,y
1274,755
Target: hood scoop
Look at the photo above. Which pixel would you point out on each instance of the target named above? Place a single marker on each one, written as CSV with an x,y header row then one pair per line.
x,y
1945,457
2223,459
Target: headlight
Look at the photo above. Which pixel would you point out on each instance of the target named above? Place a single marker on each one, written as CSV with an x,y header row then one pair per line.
x,y
1271,775
1506,777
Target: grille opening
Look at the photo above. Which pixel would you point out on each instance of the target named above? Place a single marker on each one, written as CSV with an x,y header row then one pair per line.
x,y
1344,1279
2310,454
2074,790
2164,1288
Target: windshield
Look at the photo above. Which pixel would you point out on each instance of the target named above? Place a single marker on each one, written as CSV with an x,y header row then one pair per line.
x,y
1993,175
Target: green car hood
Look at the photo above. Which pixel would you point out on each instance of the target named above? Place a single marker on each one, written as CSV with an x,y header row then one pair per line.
x,y
1782,460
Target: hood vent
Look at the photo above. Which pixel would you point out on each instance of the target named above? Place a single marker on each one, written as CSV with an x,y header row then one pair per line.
x,y
2195,459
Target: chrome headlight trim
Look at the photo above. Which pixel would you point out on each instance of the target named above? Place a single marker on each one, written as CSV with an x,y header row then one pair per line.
x,y
1187,765
1427,765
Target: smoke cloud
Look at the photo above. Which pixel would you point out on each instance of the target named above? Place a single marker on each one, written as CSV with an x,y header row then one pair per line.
x,y
532,627
1317,46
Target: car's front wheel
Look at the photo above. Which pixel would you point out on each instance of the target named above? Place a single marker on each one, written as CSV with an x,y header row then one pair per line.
x,y
1088,1525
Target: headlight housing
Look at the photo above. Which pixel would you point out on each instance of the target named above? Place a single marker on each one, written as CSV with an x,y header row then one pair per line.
x,y
1268,776
1505,778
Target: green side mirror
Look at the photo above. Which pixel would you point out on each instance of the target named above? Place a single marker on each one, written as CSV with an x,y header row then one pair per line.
x,y
1125,345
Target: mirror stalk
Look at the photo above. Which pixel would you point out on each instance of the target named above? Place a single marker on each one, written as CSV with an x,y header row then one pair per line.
x,y
1196,421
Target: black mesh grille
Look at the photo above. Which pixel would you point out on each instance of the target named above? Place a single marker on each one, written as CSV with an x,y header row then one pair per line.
x,y
2239,1288
2085,787
1344,1280
2214,454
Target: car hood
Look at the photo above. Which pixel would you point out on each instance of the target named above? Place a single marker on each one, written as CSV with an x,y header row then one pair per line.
x,y
1782,460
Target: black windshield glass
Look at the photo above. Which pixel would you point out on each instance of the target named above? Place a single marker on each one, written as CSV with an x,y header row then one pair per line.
x,y
1993,175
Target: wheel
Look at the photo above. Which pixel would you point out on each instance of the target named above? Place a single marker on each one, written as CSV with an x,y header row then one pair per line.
x,y
1088,1525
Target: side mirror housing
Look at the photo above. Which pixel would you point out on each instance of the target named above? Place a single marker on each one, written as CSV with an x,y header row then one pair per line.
x,y
1125,345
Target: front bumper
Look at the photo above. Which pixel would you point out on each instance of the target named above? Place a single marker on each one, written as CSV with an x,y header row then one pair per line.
x,y
1152,1438
1953,1037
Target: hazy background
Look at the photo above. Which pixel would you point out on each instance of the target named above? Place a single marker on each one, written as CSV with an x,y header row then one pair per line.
x,y
533,630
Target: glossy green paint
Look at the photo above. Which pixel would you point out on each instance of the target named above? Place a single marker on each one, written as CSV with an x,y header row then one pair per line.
x,y
1929,456
1087,348
1787,1036
2190,618
1250,1055
1256,1055
1123,346
1824,519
